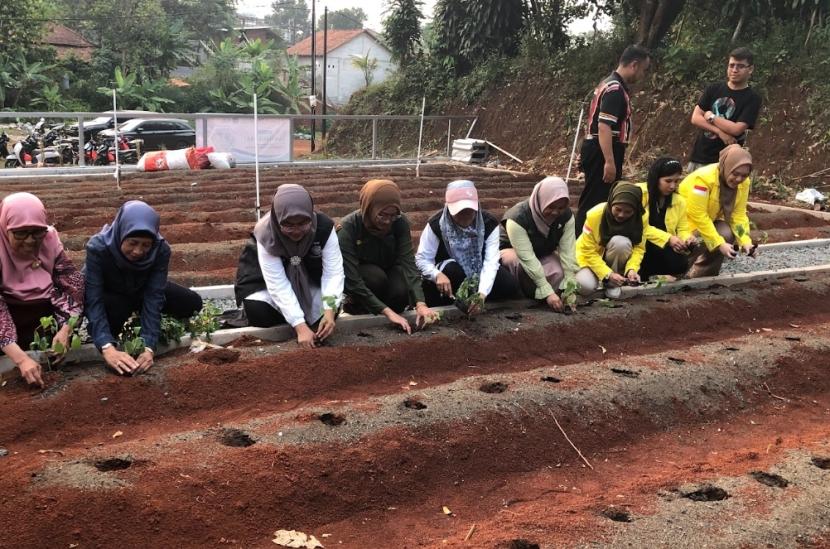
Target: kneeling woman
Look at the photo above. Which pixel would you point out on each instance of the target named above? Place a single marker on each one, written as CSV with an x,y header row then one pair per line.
x,y
537,241
37,280
612,244
669,239
381,275
291,269
716,197
462,241
126,273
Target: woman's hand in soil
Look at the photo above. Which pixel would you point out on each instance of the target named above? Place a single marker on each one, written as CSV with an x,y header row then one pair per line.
x,y
30,370
633,276
326,326
677,245
145,362
61,337
555,302
442,282
424,316
305,337
398,320
122,363
727,250
750,250
615,280
477,307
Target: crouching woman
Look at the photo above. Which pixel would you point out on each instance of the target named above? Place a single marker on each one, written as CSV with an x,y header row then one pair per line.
x,y
612,244
38,280
126,273
291,269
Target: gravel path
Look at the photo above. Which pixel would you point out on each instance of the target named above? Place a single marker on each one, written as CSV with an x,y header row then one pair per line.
x,y
779,258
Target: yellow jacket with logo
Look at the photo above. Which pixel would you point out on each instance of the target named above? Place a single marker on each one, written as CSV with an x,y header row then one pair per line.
x,y
589,251
676,222
701,189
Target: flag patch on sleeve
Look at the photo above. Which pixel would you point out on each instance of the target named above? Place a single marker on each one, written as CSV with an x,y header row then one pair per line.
x,y
700,190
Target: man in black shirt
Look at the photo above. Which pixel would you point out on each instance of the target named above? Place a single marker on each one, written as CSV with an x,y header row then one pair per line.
x,y
726,111
608,130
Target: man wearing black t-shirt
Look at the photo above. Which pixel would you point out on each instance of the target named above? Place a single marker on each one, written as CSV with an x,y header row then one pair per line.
x,y
608,129
726,111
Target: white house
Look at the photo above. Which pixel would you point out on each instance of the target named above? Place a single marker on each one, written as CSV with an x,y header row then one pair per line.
x,y
342,77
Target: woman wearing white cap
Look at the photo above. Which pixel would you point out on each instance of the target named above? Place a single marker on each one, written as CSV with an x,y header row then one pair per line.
x,y
462,241
538,242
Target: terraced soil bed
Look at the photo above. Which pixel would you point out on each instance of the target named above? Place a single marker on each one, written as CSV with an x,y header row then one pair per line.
x,y
701,420
207,215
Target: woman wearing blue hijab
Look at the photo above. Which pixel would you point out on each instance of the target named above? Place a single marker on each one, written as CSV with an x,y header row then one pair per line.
x,y
126,272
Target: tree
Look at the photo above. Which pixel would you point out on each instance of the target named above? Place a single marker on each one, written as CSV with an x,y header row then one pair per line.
x,y
656,18
28,75
22,24
202,19
367,65
291,19
402,28
345,19
548,21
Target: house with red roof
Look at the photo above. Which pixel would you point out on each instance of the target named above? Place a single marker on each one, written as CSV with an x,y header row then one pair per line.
x,y
68,43
343,78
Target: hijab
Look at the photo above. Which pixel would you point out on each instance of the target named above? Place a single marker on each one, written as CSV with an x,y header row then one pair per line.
x,y
290,200
27,279
731,158
134,216
662,167
464,244
545,193
632,228
375,195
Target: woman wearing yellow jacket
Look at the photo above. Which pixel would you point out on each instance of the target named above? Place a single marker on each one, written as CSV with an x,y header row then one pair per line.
x,y
716,197
669,238
612,244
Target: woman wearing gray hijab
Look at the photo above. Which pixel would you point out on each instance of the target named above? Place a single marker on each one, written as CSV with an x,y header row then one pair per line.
x,y
291,270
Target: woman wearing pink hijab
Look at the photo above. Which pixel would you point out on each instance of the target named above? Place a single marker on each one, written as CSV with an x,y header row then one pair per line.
x,y
37,279
538,242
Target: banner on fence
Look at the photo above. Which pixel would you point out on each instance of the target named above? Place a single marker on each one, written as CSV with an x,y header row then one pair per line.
x,y
236,136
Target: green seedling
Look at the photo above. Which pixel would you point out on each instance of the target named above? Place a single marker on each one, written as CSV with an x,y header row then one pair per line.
x,y
205,322
172,330
468,296
44,336
330,302
569,294
130,339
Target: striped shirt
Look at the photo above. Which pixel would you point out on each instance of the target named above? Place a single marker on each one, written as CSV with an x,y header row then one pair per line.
x,y
611,105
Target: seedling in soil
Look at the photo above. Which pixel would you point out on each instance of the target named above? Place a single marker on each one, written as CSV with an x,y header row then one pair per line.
x,y
821,462
172,330
770,479
493,388
467,295
205,322
132,342
707,493
617,515
569,294
330,301
45,334
332,420
236,438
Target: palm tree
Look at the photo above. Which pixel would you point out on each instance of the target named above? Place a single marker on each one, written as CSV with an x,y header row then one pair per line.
x,y
368,66
28,75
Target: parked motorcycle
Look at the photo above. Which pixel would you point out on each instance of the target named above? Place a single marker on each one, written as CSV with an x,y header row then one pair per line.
x,y
4,142
41,147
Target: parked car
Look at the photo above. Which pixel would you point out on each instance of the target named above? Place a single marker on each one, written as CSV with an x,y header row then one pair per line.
x,y
157,133
92,127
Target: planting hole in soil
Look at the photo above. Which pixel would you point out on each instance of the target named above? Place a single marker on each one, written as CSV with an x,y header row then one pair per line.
x,y
332,420
523,544
113,464
625,373
514,316
770,479
218,356
708,493
493,387
821,462
617,515
236,438
414,404
551,379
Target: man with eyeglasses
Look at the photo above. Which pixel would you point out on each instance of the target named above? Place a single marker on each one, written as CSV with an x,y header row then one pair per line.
x,y
726,111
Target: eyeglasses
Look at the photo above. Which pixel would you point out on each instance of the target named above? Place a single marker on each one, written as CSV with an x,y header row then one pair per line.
x,y
739,66
295,226
23,234
390,218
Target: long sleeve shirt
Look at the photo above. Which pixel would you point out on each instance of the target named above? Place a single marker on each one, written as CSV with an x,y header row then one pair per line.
x,y
359,246
147,287
280,295
428,249
589,249
66,297
531,264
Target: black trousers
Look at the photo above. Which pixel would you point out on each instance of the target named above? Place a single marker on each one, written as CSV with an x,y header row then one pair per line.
x,y
663,261
179,302
593,165
504,287
389,286
26,317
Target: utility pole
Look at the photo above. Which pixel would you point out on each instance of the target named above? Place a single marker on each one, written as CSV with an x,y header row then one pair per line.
x,y
313,70
325,64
